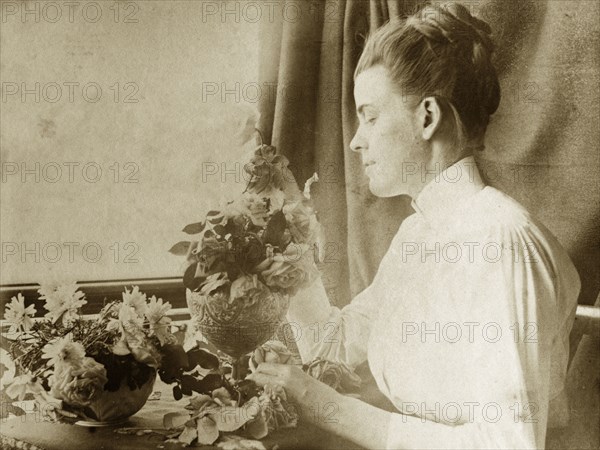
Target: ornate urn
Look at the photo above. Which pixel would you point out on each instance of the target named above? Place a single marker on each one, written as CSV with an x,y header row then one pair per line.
x,y
237,328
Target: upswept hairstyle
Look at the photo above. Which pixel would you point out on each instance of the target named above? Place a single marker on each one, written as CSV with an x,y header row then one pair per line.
x,y
441,51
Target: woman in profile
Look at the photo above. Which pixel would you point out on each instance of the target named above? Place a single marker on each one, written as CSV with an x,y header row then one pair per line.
x,y
465,326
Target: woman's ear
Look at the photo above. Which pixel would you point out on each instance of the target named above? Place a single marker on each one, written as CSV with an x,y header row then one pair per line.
x,y
430,117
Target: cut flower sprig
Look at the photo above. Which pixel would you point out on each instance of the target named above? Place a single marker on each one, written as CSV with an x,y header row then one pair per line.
x,y
217,404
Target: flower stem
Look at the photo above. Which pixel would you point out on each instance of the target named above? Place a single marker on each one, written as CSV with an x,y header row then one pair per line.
x,y
260,136
236,369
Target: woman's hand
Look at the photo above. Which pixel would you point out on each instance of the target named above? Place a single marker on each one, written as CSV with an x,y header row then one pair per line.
x,y
302,390
324,407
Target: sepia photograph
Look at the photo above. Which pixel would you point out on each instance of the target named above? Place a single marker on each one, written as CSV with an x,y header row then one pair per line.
x,y
299,224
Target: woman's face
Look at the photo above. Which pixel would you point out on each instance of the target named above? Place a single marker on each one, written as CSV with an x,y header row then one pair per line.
x,y
388,138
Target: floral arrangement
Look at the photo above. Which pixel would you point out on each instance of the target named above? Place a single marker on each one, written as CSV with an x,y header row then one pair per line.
x,y
218,412
219,405
226,408
68,360
266,240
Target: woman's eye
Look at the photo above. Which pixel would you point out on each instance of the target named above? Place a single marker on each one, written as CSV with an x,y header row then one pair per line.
x,y
371,120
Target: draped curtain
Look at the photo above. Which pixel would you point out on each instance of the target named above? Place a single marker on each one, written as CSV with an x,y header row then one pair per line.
x,y
542,145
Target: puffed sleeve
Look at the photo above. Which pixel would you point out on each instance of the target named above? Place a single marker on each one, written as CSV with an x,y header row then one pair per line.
x,y
326,331
535,289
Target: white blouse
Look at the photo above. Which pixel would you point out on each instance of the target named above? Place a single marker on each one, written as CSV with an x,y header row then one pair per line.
x,y
465,325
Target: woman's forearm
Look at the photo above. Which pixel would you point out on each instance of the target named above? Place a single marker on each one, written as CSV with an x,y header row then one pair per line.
x,y
309,306
326,331
309,310
349,418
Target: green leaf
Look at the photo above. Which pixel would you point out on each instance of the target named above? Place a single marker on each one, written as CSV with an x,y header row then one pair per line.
x,y
258,427
247,389
187,384
198,402
214,217
202,358
188,435
275,229
181,248
8,408
207,430
177,394
220,230
175,420
230,418
194,228
173,358
190,280
209,383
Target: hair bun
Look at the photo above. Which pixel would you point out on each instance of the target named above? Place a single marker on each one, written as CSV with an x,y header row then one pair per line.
x,y
454,23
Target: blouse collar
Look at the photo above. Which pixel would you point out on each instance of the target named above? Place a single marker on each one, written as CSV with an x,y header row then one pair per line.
x,y
448,190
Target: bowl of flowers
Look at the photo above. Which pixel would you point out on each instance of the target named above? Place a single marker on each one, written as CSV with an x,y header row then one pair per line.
x,y
247,258
90,370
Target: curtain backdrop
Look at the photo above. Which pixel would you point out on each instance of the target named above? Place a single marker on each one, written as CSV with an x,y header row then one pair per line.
x,y
542,145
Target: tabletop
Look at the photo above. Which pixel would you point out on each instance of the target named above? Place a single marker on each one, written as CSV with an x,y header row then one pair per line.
x,y
31,432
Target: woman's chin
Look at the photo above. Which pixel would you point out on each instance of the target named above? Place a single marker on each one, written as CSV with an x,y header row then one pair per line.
x,y
379,190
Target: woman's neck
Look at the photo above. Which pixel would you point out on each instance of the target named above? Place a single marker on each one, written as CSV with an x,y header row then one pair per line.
x,y
442,157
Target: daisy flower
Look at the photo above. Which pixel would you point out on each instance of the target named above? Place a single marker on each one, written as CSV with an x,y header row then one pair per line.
x,y
135,299
18,315
131,327
62,300
157,310
129,320
157,318
23,385
63,350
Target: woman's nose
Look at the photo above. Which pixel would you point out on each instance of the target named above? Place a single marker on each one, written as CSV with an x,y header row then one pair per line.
x,y
358,143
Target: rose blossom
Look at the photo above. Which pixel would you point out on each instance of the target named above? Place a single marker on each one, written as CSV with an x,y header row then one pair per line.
x,y
334,374
302,222
272,352
275,410
293,269
249,289
78,385
267,169
255,206
214,281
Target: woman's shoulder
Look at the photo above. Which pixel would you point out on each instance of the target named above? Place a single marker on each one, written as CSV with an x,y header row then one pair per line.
x,y
496,216
496,209
502,221
501,217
